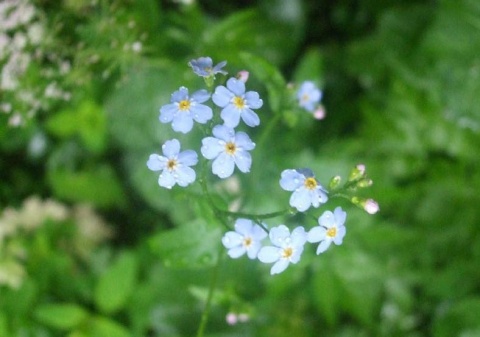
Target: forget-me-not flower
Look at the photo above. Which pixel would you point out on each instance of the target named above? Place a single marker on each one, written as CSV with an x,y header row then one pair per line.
x,y
308,96
228,149
287,248
237,103
331,229
203,66
246,238
184,109
307,191
175,165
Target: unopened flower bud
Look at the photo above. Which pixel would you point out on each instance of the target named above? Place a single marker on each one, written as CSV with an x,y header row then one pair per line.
x,y
319,113
365,183
231,318
357,172
334,182
371,206
243,76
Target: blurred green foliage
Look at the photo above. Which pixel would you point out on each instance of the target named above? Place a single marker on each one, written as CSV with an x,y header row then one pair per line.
x,y
401,89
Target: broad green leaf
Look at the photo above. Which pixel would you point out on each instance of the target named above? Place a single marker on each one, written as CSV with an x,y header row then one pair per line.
x,y
326,295
192,245
99,186
63,316
271,76
310,67
105,327
116,284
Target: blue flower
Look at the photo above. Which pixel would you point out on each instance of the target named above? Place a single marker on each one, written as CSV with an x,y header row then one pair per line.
x,y
184,109
228,149
307,191
203,66
237,103
308,96
331,229
286,248
246,239
174,165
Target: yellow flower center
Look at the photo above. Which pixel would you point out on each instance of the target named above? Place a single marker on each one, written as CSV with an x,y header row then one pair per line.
x,y
172,164
239,102
230,148
310,183
247,242
305,98
184,105
287,252
332,232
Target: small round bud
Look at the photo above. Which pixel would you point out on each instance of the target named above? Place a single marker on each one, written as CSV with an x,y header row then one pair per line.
x,y
319,113
371,206
364,183
335,182
231,318
243,76
357,172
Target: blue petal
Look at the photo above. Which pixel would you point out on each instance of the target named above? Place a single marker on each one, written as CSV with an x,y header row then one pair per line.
x,y
224,133
243,160
299,236
242,140
200,96
253,250
253,100
222,96
340,216
316,234
269,254
166,179
184,175
218,68
300,199
201,113
291,180
182,122
279,235
236,252
258,233
341,231
179,95
327,219
212,147
279,267
244,226
188,158
250,118
236,86
230,116
297,253
223,166
171,148
167,112
323,246
156,162
232,239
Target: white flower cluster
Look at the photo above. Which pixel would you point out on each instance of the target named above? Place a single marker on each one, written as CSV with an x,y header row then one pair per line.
x,y
22,32
15,224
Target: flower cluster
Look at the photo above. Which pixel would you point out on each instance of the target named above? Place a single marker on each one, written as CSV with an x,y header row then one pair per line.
x,y
228,149
225,147
308,97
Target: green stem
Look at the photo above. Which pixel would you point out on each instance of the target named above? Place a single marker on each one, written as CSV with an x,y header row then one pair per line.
x,y
208,303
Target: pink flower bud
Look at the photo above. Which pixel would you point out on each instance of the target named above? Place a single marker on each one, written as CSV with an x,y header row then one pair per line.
x,y
243,76
319,113
361,168
371,206
231,318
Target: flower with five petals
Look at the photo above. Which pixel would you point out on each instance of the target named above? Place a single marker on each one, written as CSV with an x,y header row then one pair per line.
x,y
331,229
246,238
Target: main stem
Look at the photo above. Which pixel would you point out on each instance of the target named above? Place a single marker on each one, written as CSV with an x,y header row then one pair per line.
x,y
208,303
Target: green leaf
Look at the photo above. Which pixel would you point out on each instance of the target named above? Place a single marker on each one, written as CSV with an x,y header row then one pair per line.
x,y
193,245
310,67
458,316
116,284
325,295
98,185
270,76
104,327
61,316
